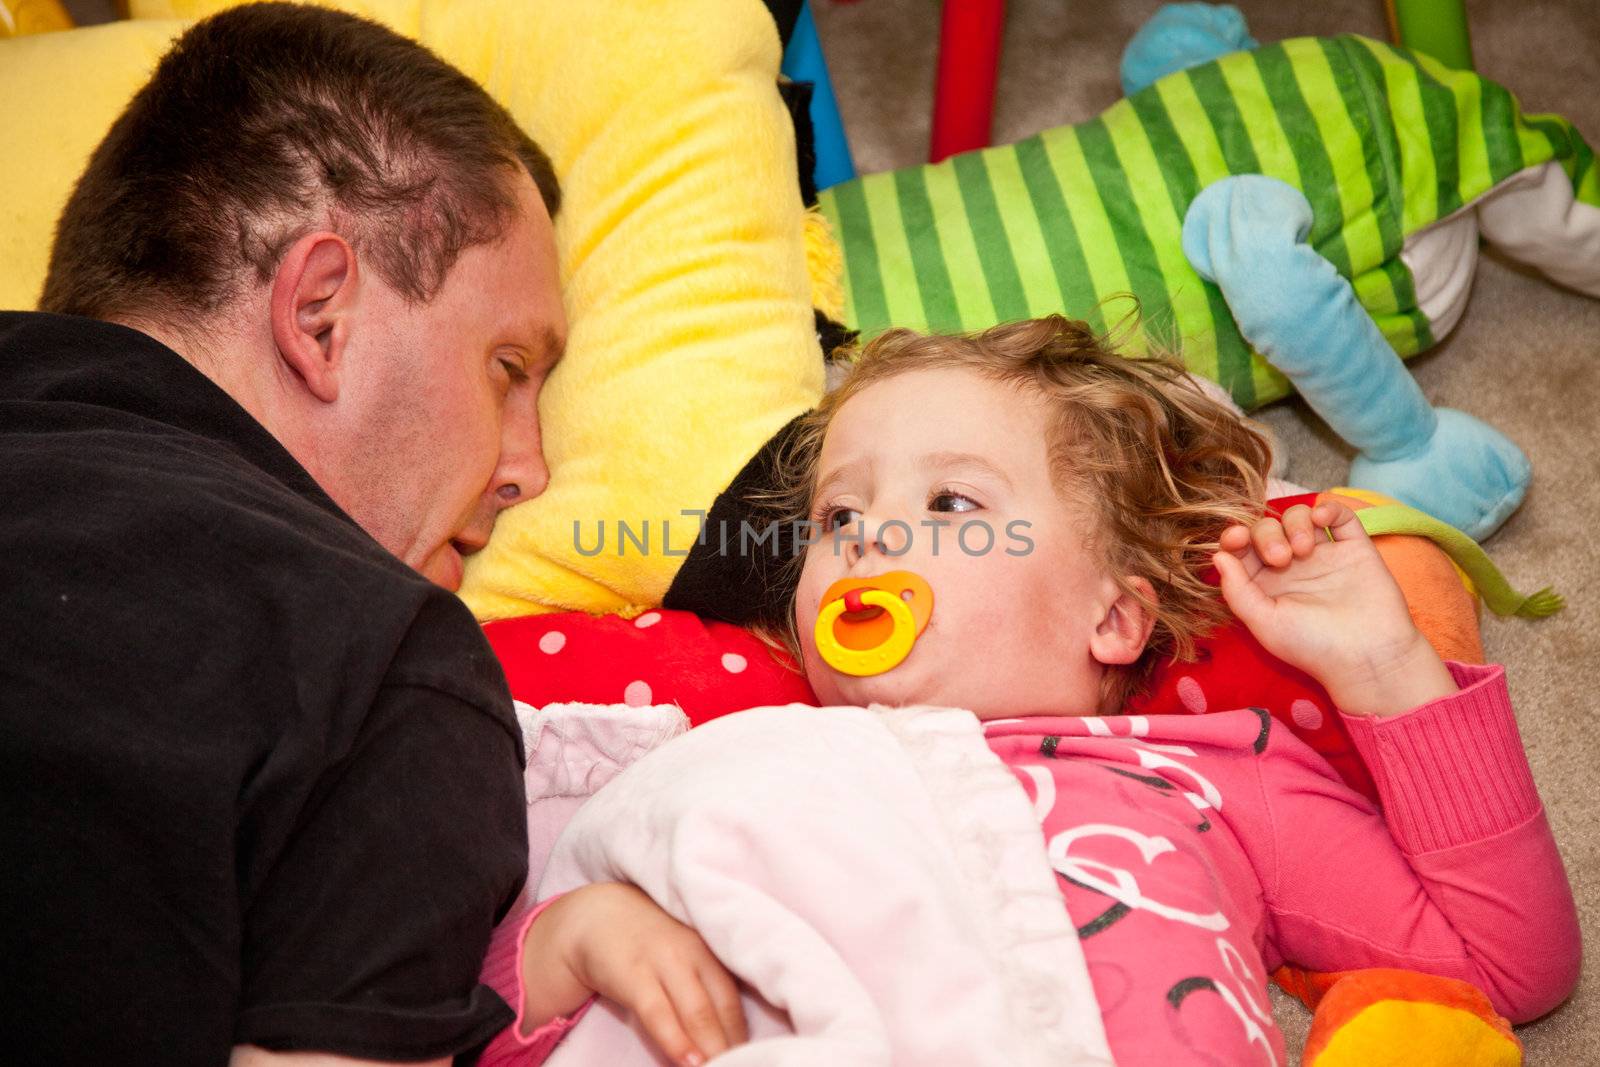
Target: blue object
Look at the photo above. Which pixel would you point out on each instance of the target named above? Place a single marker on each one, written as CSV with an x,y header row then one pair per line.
x,y
1179,36
803,62
1247,234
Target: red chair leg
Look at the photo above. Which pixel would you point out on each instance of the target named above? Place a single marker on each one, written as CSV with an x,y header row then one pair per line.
x,y
969,60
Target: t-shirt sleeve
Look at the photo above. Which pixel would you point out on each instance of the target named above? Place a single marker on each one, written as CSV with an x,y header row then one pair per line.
x,y
367,937
1458,876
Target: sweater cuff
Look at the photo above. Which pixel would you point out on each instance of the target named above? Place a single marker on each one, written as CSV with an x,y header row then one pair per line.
x,y
502,971
1452,771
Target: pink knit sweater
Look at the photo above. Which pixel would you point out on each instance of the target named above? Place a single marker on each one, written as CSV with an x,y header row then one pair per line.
x,y
502,972
1197,853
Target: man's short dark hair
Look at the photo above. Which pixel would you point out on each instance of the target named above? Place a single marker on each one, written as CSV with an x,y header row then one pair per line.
x,y
264,123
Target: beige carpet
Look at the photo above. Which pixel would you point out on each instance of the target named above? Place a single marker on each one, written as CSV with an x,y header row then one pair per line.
x,y
1526,357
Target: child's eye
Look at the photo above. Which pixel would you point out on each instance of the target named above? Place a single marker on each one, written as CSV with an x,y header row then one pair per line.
x,y
838,518
514,370
950,501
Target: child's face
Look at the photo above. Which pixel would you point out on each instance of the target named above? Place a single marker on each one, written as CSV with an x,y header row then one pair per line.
x,y
1018,625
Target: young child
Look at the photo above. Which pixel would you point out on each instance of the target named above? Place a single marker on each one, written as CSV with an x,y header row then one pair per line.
x,y
1061,506
1195,853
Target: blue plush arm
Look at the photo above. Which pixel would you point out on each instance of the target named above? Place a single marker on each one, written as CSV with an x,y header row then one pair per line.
x,y
1247,234
1179,36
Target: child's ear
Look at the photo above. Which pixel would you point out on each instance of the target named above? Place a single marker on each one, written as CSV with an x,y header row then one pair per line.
x,y
1125,622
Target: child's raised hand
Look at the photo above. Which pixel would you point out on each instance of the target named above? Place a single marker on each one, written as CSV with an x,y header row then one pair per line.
x,y
612,939
1331,608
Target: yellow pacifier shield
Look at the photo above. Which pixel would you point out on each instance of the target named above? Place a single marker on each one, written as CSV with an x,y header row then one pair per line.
x,y
868,625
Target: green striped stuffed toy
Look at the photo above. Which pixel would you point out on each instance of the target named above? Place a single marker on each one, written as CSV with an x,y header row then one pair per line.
x,y
1395,155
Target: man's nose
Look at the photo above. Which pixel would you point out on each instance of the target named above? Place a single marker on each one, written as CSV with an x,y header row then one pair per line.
x,y
522,473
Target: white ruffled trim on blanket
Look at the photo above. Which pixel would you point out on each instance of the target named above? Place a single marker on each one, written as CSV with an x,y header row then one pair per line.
x,y
575,749
998,846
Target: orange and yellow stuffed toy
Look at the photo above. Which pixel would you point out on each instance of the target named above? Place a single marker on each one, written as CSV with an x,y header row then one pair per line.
x,y
1392,1018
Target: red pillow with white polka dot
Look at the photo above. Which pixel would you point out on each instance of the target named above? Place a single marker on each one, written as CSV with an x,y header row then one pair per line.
x,y
662,657
712,668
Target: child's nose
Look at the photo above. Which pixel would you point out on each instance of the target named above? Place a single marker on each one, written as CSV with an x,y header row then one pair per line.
x,y
883,538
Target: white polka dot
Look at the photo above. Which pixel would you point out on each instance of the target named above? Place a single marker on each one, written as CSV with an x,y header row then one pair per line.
x,y
552,642
647,620
734,663
1305,714
1193,697
637,695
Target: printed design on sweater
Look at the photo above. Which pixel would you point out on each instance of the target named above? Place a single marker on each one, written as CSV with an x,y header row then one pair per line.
x,y
1121,866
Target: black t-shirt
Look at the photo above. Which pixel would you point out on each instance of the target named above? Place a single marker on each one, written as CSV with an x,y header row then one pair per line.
x,y
259,781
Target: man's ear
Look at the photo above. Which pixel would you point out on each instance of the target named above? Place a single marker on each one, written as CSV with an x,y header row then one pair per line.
x,y
313,297
1125,622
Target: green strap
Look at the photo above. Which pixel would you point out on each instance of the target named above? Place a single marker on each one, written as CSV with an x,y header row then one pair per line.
x,y
1491,584
1437,27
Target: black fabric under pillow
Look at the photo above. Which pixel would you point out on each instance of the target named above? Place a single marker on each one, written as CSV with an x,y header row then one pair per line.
x,y
720,581
797,99
785,13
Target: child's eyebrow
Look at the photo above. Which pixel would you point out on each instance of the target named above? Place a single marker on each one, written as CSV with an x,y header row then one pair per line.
x,y
842,473
971,460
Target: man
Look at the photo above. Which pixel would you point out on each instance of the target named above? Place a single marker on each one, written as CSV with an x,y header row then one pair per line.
x,y
260,785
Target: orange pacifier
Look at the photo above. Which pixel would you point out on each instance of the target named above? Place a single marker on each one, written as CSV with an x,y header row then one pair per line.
x,y
868,625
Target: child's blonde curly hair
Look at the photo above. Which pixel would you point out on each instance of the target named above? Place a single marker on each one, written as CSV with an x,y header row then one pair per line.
x,y
1160,468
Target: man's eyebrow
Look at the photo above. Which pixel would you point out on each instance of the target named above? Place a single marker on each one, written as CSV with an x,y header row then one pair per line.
x,y
946,460
551,345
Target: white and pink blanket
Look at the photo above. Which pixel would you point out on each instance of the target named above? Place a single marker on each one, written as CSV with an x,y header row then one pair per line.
x,y
875,879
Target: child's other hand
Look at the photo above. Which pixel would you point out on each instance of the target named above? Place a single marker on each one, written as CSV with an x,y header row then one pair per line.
x,y
1330,608
612,939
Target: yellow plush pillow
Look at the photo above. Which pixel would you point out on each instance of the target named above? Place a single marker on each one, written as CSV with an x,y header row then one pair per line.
x,y
62,92
683,262
401,16
682,256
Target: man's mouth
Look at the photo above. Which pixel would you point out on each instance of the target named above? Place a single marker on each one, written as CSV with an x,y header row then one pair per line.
x,y
465,547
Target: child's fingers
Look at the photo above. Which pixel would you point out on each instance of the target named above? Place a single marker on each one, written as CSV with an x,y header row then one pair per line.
x,y
725,995
1271,545
1300,530
696,1012
1243,596
660,1021
1340,521
1235,539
